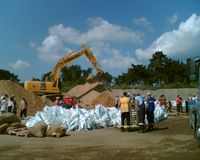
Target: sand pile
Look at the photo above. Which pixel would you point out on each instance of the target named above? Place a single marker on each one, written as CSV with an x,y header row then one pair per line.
x,y
91,94
93,98
35,103
81,90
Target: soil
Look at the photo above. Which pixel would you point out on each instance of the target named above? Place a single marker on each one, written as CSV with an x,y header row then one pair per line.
x,y
90,94
35,103
171,139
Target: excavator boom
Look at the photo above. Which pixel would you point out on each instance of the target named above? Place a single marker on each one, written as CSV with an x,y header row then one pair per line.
x,y
52,85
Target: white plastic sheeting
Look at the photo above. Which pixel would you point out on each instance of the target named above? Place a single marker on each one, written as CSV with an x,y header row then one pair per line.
x,y
81,119
160,113
77,119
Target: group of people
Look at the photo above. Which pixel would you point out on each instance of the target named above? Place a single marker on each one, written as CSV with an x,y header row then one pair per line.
x,y
9,105
72,103
179,102
141,105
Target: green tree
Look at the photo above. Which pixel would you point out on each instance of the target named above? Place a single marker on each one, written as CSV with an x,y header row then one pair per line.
x,y
71,73
7,75
137,74
106,78
121,79
86,72
46,76
157,67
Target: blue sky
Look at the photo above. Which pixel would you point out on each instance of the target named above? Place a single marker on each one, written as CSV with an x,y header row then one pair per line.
x,y
35,34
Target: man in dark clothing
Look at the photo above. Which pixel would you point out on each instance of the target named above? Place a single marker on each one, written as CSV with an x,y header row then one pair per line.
x,y
150,111
140,108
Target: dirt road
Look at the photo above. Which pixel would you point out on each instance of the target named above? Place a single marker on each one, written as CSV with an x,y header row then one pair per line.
x,y
171,139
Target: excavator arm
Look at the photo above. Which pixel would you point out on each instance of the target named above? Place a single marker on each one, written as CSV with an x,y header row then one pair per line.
x,y
72,57
51,86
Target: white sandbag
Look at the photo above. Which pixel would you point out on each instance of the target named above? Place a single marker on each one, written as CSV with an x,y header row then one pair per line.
x,y
160,113
77,119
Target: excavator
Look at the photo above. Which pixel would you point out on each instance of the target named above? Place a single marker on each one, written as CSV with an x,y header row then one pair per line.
x,y
52,85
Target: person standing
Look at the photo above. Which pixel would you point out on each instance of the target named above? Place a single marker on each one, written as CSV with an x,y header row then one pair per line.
x,y
124,106
57,101
140,108
190,98
3,104
23,108
14,105
194,98
10,103
117,101
178,103
150,105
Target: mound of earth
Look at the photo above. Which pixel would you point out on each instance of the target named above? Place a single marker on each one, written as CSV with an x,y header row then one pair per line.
x,y
93,98
80,91
35,103
91,94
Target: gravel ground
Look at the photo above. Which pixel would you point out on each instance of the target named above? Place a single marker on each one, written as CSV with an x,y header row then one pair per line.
x,y
171,139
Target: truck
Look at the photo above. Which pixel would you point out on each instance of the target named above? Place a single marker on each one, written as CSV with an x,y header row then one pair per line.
x,y
194,107
52,84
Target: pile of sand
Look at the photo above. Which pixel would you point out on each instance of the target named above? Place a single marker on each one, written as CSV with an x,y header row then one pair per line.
x,y
81,90
35,103
91,94
105,98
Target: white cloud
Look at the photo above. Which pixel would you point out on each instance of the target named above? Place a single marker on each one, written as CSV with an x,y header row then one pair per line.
x,y
143,22
32,44
100,31
52,49
181,43
103,31
19,64
173,18
65,34
117,60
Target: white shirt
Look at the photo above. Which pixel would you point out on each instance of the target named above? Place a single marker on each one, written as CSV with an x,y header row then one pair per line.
x,y
9,103
3,105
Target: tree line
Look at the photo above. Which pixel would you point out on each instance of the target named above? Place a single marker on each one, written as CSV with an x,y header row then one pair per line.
x,y
161,71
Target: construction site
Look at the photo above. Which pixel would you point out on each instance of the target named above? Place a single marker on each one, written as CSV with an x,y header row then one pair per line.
x,y
85,123
172,137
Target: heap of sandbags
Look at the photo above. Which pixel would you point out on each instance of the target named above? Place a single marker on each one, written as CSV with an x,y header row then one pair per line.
x,y
11,124
9,121
77,119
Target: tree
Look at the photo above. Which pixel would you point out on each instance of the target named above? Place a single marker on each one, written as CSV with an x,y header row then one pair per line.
x,y
137,74
71,73
157,67
121,79
6,75
106,78
46,76
86,72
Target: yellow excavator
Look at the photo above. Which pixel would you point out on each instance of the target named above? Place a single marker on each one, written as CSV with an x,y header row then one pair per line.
x,y
52,86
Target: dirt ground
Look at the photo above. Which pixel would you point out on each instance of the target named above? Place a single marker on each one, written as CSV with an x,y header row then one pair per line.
x,y
171,139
